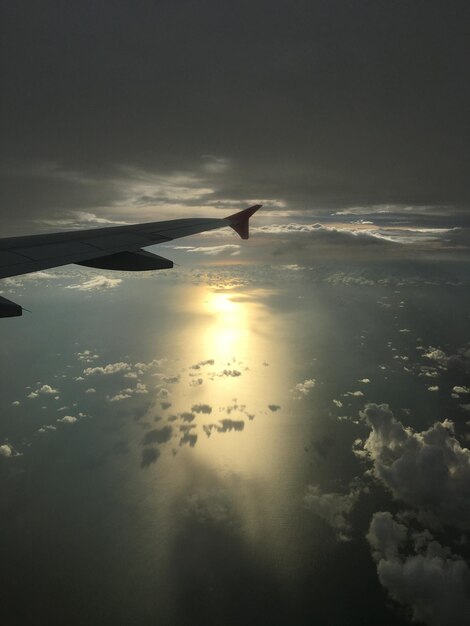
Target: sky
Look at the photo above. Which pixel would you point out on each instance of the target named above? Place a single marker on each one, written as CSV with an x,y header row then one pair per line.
x,y
275,430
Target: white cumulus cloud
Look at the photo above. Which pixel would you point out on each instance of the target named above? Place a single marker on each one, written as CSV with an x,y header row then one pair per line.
x,y
430,580
303,389
428,470
68,419
6,450
106,370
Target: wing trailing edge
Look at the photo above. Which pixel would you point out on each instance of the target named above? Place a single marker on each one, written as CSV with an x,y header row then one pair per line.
x,y
129,261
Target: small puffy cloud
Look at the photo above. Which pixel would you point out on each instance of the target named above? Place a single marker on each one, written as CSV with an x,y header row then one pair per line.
x,y
428,470
68,419
429,372
87,356
433,388
144,367
96,283
118,397
365,381
434,354
460,390
140,388
132,375
303,389
46,390
107,370
90,390
46,428
6,450
337,403
430,580
354,394
16,403
333,508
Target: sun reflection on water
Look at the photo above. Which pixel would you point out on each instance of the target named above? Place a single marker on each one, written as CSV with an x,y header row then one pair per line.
x,y
227,333
232,349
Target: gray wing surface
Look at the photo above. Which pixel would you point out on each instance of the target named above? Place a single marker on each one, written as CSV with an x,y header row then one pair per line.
x,y
116,247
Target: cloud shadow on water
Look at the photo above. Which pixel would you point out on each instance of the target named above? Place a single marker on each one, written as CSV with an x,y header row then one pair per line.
x,y
149,456
157,435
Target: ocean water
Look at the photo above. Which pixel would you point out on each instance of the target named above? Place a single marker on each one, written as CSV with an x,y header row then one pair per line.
x,y
164,433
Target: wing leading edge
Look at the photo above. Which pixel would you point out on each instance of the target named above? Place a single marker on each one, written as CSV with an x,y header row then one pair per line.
x,y
114,247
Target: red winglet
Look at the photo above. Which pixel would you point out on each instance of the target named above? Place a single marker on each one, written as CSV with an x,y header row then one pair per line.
x,y
239,221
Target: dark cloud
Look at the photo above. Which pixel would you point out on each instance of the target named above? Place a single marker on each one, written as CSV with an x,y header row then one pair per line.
x,y
313,105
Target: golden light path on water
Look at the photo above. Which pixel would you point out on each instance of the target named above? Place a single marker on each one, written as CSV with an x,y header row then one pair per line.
x,y
247,471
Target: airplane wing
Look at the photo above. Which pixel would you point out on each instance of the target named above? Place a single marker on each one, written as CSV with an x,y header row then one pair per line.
x,y
114,247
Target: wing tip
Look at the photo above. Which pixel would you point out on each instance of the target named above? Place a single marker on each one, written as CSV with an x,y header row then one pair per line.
x,y
240,221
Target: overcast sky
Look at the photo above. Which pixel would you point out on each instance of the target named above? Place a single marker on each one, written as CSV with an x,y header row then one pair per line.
x,y
309,105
